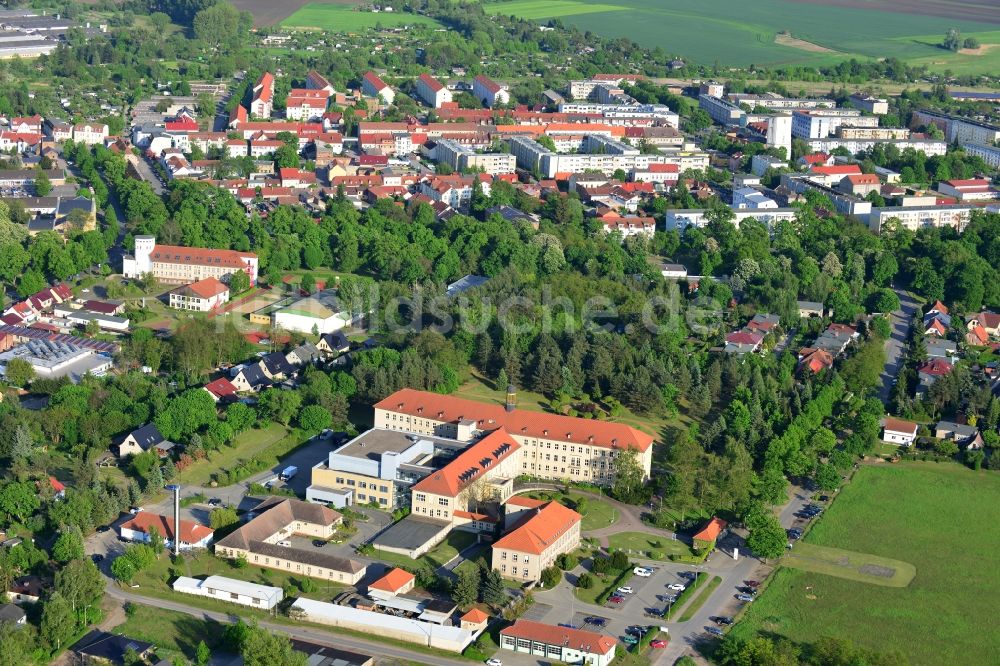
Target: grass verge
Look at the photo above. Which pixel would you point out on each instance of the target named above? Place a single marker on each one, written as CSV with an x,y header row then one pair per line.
x,y
686,593
700,600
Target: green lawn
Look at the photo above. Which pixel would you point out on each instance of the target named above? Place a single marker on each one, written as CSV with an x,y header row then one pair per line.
x,y
270,442
174,634
596,512
341,18
841,563
700,600
730,32
651,546
439,555
940,517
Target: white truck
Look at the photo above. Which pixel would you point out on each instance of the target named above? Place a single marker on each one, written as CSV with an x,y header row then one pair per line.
x,y
288,473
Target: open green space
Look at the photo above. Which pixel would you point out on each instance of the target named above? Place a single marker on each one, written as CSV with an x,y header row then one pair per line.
x,y
941,518
650,546
345,18
439,555
174,634
730,32
266,443
596,512
841,563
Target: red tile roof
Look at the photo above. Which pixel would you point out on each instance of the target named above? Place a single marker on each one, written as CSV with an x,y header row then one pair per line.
x,y
744,338
899,425
519,422
470,464
489,83
393,581
373,79
221,387
56,484
938,306
475,616
176,254
711,531
266,85
536,533
836,169
207,288
191,532
431,82
527,502
574,639
978,335
935,367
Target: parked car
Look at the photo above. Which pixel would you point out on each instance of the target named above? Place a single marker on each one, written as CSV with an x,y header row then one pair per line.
x,y
96,557
752,583
744,597
723,620
215,501
625,589
629,640
494,662
658,644
642,572
715,631
596,621
635,630
567,625
102,529
134,510
676,586
615,599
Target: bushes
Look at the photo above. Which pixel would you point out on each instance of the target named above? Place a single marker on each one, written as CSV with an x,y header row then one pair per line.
x,y
242,470
551,576
586,581
566,561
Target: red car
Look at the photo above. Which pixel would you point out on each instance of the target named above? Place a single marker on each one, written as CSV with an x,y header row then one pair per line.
x,y
616,599
752,583
658,644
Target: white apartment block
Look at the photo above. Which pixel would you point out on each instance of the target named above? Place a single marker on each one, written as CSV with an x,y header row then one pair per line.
x,y
873,133
749,198
817,124
373,86
929,147
721,111
90,134
874,105
957,129
659,112
531,155
916,217
682,218
489,92
776,102
989,154
432,91
463,158
760,163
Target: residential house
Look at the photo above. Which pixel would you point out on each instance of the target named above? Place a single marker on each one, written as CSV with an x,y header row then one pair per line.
x,y
221,390
102,647
25,590
333,344
977,336
305,354
432,92
192,534
251,378
11,614
91,134
143,439
929,372
860,184
743,342
763,323
810,309
988,321
305,104
534,543
373,86
673,271
898,431
277,367
558,643
201,296
945,349
815,360
262,103
960,433
836,338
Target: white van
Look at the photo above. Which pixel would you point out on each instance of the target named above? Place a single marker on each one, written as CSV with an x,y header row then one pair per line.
x,y
286,543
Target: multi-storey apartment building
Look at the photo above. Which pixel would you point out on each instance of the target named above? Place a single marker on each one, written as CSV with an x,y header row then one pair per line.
x,y
432,91
180,265
958,129
461,158
373,86
914,217
489,92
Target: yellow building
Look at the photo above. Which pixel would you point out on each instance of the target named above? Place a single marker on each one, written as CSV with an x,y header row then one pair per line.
x,y
536,540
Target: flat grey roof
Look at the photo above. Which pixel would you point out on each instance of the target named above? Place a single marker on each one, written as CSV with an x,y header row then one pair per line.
x,y
371,444
409,533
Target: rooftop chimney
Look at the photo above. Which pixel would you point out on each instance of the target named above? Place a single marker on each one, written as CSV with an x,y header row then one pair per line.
x,y
511,398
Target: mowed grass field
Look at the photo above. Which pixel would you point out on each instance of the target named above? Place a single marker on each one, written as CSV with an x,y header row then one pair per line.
x,y
732,32
941,518
346,18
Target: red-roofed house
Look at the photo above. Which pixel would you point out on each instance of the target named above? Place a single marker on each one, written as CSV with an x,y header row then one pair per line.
x,y
263,96
396,581
815,360
489,92
860,184
558,644
709,534
898,431
989,321
535,542
475,620
831,175
816,159
970,189
930,371
373,86
57,486
221,390
743,342
432,91
180,265
316,81
201,296
977,336
193,535
305,104
665,174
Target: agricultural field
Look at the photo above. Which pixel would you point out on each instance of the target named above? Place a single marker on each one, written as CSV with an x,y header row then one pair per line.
x,y
268,12
780,32
938,518
346,18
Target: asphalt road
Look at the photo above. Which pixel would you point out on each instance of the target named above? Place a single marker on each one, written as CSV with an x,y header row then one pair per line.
x,y
895,346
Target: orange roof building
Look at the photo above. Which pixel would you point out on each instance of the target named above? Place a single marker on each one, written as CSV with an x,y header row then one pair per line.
x,y
535,542
396,581
561,644
709,533
193,535
474,620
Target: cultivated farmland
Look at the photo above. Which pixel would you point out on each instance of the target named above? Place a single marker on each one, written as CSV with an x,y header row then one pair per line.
x,y
731,32
347,18
942,519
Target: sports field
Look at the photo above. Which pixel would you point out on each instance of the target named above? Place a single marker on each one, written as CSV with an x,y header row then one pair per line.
x,y
347,18
941,518
778,32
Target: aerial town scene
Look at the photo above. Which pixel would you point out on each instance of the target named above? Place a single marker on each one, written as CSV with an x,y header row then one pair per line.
x,y
499,332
